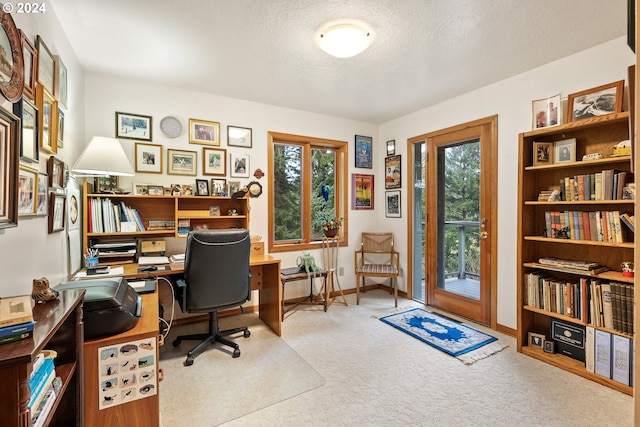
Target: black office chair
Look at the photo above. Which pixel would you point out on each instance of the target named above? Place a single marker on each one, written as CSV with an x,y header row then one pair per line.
x,y
216,277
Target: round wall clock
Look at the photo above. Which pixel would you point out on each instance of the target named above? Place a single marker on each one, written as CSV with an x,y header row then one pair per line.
x,y
171,126
255,189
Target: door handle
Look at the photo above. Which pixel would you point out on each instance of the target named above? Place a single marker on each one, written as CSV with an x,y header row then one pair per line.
x,y
484,235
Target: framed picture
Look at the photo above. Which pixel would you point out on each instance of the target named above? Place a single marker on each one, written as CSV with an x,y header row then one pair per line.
x,y
60,128
362,191
214,161
55,170
57,208
30,63
176,189
133,126
601,100
546,112
234,187
204,132
218,187
73,209
61,92
46,74
549,347
181,162
9,153
392,206
391,147
239,165
148,158
102,184
27,187
28,114
12,79
536,340
393,176
239,137
364,152
202,187
186,190
564,151
542,153
47,120
41,201
155,190
214,210
140,189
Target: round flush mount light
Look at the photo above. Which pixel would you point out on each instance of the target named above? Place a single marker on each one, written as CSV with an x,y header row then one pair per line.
x,y
344,40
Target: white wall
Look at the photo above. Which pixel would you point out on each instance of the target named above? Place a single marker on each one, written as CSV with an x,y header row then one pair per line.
x,y
511,100
28,251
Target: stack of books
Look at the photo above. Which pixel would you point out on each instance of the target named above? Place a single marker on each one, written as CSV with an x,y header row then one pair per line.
x,y
44,386
177,258
16,319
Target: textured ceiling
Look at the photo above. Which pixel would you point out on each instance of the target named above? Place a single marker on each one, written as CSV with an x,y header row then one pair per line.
x,y
423,51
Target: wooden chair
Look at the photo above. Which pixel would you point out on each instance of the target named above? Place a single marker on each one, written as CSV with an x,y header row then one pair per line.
x,y
377,258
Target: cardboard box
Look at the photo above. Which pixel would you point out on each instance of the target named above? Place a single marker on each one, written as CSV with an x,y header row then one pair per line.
x,y
257,248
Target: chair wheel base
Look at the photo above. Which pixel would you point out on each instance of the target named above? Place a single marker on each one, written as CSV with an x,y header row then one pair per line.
x,y
247,333
189,361
176,343
236,353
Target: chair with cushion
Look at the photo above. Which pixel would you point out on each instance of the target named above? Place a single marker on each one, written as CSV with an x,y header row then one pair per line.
x,y
216,277
377,258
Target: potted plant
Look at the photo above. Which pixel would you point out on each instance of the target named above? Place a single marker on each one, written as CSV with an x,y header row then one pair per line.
x,y
331,225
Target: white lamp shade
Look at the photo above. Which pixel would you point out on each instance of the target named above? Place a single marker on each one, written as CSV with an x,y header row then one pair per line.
x,y
344,41
103,157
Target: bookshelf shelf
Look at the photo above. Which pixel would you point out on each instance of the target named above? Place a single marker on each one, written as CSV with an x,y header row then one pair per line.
x,y
593,135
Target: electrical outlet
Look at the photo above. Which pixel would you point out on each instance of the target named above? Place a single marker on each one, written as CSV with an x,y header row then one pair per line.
x,y
400,273
340,271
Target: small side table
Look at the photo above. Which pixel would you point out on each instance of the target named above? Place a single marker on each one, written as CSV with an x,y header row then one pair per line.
x,y
295,274
330,247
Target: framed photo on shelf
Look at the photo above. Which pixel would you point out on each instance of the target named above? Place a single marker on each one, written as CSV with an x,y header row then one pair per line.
x,y
140,189
536,340
547,112
392,205
47,120
186,190
391,147
27,187
598,101
181,162
202,187
218,187
133,126
46,75
148,157
564,151
102,184
542,153
30,63
57,209
234,187
549,347
239,165
364,152
214,161
362,191
155,190
41,199
204,132
214,210
239,137
55,170
29,142
392,171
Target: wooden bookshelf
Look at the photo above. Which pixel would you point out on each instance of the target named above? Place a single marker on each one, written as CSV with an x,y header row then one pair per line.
x,y
593,135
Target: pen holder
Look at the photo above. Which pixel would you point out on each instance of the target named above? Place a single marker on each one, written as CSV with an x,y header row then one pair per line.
x,y
90,262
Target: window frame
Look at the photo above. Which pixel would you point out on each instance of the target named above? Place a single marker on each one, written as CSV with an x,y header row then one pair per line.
x,y
341,190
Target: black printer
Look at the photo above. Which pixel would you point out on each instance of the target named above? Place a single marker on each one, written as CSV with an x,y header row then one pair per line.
x,y
111,306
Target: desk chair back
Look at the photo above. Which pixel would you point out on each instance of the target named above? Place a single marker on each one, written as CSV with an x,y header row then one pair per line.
x,y
377,257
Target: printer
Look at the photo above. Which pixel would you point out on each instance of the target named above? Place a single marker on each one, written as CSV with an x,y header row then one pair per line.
x,y
111,306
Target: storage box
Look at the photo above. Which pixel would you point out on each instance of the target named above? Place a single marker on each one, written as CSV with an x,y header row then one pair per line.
x,y
257,248
569,339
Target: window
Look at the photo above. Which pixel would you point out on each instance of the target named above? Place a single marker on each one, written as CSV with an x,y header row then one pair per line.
x,y
309,183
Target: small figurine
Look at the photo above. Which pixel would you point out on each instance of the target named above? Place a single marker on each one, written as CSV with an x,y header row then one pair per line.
x,y
41,291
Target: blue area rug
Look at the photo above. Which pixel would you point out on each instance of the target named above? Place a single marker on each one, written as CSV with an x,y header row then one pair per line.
x,y
448,335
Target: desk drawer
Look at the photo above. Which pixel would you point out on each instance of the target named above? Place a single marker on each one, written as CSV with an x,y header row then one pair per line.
x,y
256,279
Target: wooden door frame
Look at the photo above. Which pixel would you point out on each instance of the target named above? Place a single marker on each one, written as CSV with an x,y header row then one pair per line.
x,y
488,129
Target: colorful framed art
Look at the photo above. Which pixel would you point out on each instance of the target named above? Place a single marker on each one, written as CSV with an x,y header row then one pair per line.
x,y
362,191
204,132
364,152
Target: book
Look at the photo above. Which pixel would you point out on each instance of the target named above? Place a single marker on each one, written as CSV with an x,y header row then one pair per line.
x,y
20,328
15,337
607,306
602,354
39,415
38,397
621,354
589,348
15,310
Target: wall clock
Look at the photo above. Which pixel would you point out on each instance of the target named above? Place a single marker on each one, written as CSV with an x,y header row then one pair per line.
x,y
171,126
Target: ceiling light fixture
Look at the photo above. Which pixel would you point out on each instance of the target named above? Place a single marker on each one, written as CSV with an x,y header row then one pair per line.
x,y
344,40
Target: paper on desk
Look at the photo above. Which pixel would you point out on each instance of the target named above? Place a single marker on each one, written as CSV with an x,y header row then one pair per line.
x,y
113,271
149,260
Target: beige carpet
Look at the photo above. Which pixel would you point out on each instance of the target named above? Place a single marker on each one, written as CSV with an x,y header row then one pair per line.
x,y
218,388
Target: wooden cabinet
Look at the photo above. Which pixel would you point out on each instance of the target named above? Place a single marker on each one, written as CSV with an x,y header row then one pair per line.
x,y
536,240
58,327
162,216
